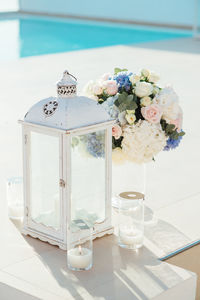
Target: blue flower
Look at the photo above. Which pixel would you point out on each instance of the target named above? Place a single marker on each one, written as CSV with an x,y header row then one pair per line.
x,y
172,144
109,106
123,80
95,144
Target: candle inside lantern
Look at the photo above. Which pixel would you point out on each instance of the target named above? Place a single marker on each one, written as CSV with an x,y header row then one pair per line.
x,y
15,211
79,258
15,197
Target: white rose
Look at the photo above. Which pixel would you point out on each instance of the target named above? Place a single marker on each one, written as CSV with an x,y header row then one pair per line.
x,y
134,79
153,77
166,96
143,89
146,101
88,89
145,72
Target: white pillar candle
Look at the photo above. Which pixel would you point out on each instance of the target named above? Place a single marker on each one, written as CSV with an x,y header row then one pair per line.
x,y
15,211
79,258
131,237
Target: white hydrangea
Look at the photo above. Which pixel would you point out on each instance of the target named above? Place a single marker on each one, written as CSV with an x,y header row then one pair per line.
x,y
142,141
109,106
118,156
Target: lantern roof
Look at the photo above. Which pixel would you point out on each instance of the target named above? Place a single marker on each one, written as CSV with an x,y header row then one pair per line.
x,y
67,111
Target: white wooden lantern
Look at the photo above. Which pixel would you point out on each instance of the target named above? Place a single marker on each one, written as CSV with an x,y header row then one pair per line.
x,y
67,148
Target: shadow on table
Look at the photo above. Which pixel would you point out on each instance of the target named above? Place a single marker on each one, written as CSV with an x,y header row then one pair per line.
x,y
116,274
163,235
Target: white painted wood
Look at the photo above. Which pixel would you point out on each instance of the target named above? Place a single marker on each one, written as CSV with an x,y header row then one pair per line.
x,y
84,129
67,113
31,225
67,190
48,233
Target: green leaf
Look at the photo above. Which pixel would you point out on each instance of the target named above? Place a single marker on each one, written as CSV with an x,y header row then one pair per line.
x,y
131,105
121,98
174,135
125,102
117,70
130,97
116,143
182,133
163,124
170,128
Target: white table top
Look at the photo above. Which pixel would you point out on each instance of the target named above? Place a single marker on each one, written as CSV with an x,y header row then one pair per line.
x,y
30,269
39,271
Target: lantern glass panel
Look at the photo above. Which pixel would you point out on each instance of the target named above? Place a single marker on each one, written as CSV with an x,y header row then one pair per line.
x,y
44,179
88,189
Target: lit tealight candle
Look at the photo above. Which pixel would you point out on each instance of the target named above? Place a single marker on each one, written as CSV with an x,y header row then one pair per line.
x,y
79,258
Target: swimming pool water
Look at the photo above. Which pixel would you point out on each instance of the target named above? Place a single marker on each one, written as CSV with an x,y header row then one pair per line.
x,y
24,36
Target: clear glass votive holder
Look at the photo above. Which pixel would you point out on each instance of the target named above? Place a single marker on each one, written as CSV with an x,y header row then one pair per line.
x,y
15,197
131,220
80,246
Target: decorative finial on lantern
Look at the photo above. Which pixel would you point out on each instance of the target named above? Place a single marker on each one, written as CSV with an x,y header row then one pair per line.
x,y
67,85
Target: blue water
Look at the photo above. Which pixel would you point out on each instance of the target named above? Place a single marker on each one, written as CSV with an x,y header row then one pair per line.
x,y
29,36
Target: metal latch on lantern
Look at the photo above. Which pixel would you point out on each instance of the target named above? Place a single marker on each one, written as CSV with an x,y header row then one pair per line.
x,y
25,139
26,211
62,183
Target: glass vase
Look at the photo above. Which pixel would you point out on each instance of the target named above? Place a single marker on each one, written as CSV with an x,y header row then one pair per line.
x,y
130,176
131,220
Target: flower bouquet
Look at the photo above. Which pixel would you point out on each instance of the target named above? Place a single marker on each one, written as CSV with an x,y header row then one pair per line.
x,y
149,118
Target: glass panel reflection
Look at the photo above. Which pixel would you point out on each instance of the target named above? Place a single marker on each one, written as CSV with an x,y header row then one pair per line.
x,y
44,179
88,176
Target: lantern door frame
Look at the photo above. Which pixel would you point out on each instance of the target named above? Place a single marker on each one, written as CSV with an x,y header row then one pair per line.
x,y
104,227
44,232
31,227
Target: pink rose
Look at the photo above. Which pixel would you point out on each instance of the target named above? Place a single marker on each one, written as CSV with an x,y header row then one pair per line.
x,y
152,113
97,89
111,87
116,132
